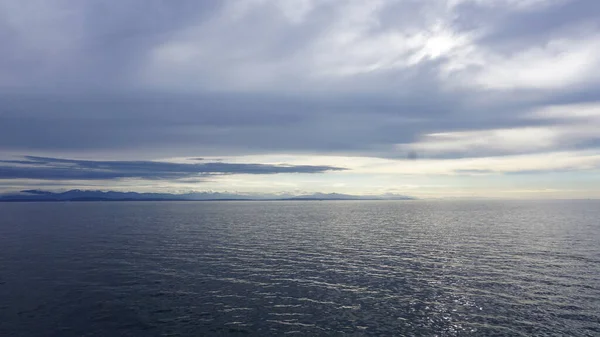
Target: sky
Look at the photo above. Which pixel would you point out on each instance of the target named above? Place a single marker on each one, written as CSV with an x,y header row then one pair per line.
x,y
427,98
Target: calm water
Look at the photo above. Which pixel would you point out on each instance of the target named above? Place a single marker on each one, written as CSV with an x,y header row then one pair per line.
x,y
300,268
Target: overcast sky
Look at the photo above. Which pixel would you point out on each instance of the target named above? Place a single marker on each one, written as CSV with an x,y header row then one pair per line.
x,y
429,98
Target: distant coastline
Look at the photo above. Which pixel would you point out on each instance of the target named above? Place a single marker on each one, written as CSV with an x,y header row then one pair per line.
x,y
113,196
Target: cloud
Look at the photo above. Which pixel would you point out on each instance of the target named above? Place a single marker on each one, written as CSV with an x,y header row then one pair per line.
x,y
560,63
398,169
449,80
553,127
471,143
573,161
582,113
473,171
277,46
70,169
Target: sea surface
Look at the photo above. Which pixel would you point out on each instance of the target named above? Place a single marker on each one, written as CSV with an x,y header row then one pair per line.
x,y
306,268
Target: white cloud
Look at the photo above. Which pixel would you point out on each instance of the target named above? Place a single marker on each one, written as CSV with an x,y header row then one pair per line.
x,y
353,40
547,161
558,64
584,112
507,140
570,125
551,161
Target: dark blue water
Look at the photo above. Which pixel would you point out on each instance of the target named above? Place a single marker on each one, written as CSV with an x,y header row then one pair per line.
x,y
300,268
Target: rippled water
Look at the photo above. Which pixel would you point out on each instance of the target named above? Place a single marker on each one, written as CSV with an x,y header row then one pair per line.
x,y
305,268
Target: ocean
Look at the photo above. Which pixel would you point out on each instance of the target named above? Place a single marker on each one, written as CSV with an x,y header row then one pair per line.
x,y
305,268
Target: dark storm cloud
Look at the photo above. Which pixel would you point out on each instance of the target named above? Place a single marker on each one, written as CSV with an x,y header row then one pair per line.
x,y
45,168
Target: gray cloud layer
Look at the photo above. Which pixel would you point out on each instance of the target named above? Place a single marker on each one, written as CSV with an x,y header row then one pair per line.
x,y
217,78
69,169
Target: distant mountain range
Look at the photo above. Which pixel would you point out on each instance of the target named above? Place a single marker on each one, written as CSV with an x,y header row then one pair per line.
x,y
81,195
